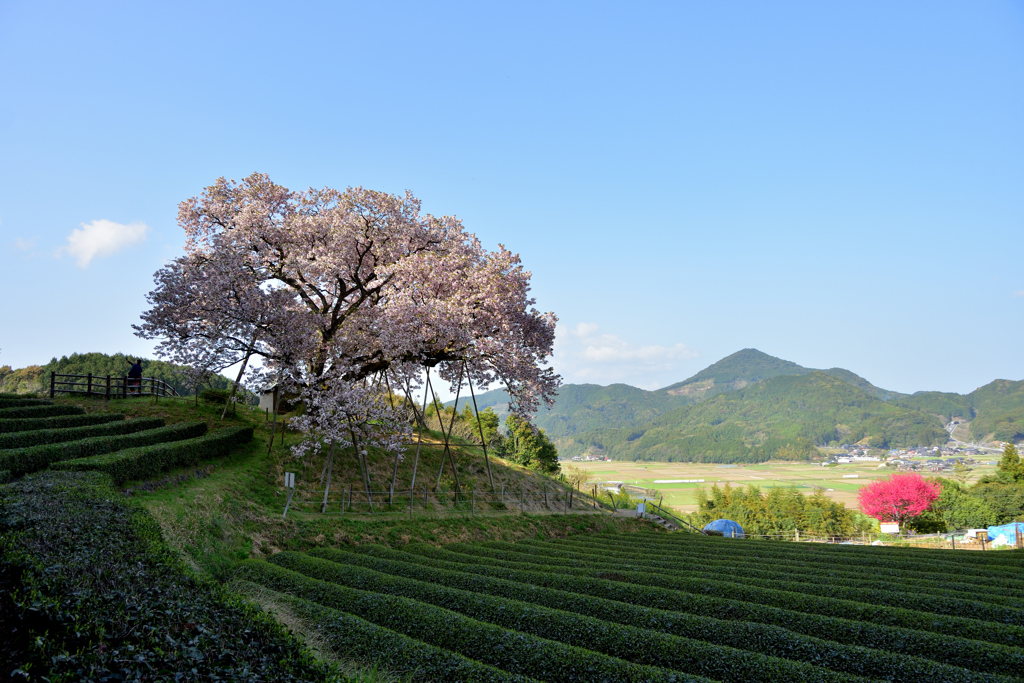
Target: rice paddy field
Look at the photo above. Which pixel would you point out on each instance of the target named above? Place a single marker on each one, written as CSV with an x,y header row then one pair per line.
x,y
652,606
807,476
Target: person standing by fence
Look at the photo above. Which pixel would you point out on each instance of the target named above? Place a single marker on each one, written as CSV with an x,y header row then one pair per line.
x,y
135,377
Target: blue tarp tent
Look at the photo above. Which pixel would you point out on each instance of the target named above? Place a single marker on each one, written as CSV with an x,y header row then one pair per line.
x,y
727,527
1005,534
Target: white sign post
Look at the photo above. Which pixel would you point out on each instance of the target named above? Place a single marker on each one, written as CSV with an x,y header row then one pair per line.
x,y
289,483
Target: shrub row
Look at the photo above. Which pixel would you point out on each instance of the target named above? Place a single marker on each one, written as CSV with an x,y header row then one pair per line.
x,y
994,564
56,422
5,476
34,458
661,598
957,586
364,641
7,402
511,651
90,591
761,637
39,411
147,461
680,589
688,577
37,437
781,552
633,644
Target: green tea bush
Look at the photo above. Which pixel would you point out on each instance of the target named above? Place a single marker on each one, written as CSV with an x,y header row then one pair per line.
x,y
21,402
875,636
1002,572
56,422
940,585
147,461
34,458
633,644
766,638
681,577
38,437
512,651
364,641
997,565
215,396
90,591
39,411
665,591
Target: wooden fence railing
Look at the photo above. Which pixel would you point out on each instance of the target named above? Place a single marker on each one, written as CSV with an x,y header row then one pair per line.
x,y
109,386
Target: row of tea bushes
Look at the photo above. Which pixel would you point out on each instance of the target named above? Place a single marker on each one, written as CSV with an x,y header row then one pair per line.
x,y
755,637
686,595
933,585
140,432
79,419
631,643
36,437
513,651
955,650
681,577
362,640
885,559
39,411
148,461
91,592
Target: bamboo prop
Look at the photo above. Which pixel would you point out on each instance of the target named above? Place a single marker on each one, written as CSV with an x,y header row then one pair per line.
x,y
363,465
448,435
273,424
422,424
394,474
479,424
330,463
241,371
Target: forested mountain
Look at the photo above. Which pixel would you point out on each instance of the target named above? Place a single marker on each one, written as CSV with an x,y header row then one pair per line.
x,y
782,416
581,407
749,406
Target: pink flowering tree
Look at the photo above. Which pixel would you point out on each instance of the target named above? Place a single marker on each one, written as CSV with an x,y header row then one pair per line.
x,y
342,292
899,498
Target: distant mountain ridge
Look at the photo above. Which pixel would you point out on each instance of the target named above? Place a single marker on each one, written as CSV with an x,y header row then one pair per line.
x,y
750,406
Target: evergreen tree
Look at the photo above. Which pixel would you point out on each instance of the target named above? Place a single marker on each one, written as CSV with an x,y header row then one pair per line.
x,y
529,447
1011,463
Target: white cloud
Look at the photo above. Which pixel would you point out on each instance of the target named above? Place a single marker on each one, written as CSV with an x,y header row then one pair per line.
x,y
1019,293
582,354
24,245
102,238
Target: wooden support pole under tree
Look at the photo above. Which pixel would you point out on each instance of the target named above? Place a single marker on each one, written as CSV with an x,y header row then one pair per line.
x,y
88,384
473,503
480,425
53,384
364,466
327,488
423,425
241,371
447,435
273,423
106,394
411,492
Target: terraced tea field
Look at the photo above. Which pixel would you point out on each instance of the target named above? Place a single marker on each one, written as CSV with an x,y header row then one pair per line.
x,y
656,607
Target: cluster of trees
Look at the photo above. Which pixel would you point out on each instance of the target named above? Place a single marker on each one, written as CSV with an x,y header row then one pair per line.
x,y
778,511
519,442
939,504
36,378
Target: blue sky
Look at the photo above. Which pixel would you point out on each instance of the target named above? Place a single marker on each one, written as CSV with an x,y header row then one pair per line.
x,y
837,184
